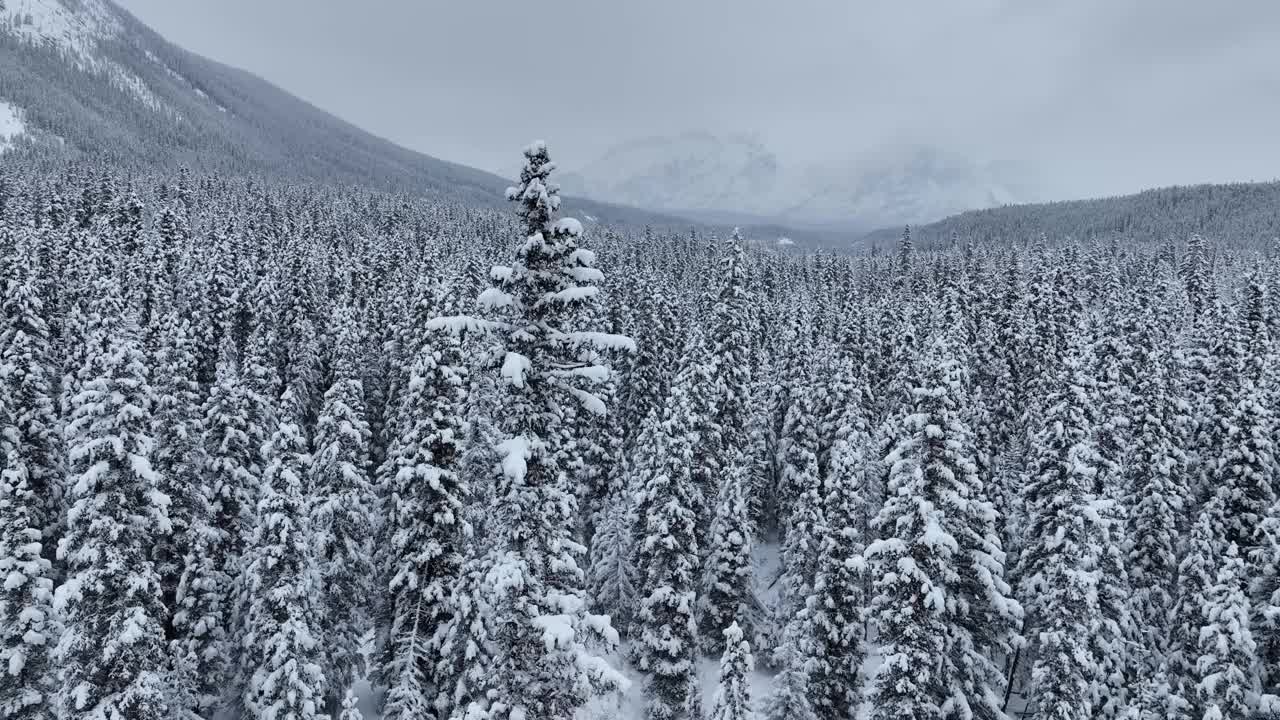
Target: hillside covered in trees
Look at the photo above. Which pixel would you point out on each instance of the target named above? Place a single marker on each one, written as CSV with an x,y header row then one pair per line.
x,y
1245,214
277,450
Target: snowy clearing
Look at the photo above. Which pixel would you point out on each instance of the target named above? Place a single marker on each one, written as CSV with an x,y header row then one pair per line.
x,y
11,126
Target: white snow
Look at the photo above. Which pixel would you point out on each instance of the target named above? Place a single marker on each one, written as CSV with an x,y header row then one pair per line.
x,y
590,402
495,298
515,454
599,340
11,126
786,242
75,30
568,226
514,368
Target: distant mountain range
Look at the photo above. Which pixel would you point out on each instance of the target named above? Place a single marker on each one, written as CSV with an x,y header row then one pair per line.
x,y
84,78
721,179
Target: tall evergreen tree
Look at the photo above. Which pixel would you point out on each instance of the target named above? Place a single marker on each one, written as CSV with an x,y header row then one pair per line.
x,y
423,558
733,694
28,628
838,602
728,596
281,651
668,563
26,354
941,602
341,520
541,663
112,654
1227,664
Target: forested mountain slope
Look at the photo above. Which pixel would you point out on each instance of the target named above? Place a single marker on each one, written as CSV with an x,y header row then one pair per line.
x,y
85,80
1239,214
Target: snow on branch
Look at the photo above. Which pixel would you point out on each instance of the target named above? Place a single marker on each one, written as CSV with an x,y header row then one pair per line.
x,y
599,340
460,324
592,403
573,294
514,368
515,453
495,298
594,373
568,226
583,274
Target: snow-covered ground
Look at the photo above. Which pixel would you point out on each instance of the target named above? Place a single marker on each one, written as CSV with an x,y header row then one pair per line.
x,y
11,125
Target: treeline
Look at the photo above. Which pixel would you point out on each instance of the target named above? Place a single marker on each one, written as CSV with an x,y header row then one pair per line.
x,y
263,442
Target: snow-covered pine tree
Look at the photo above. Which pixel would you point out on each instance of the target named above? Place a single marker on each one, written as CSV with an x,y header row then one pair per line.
x,y
905,252
1159,499
27,389
837,604
612,575
178,430
1155,699
282,647
733,694
350,707
427,532
1197,571
731,358
667,561
792,698
28,628
804,525
341,509
112,655
1227,667
942,607
211,595
728,594
1197,272
1059,575
542,665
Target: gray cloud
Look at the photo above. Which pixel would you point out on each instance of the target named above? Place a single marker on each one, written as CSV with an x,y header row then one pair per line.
x,y
1092,96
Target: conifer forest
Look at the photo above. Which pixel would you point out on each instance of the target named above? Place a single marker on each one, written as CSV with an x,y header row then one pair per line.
x,y
283,451
827,360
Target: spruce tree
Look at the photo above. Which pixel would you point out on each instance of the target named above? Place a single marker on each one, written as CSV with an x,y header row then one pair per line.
x,y
341,519
427,531
26,354
28,629
668,565
178,429
728,596
941,603
733,694
837,604
541,664
1159,499
1226,668
112,654
282,647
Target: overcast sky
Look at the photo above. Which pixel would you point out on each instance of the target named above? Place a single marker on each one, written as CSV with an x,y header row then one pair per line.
x,y
1093,96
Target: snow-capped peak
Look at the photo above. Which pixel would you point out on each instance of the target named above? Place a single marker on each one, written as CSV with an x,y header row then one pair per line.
x,y
73,26
699,171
